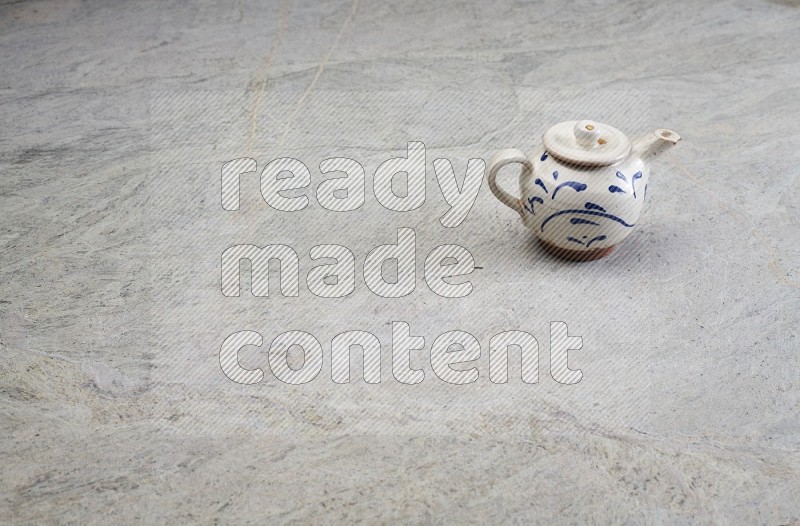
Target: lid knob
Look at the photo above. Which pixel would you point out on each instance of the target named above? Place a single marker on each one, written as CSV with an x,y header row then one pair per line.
x,y
586,142
587,134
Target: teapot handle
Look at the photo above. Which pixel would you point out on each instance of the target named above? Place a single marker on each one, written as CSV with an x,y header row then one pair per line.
x,y
498,161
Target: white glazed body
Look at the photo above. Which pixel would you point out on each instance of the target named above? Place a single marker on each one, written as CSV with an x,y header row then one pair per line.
x,y
582,208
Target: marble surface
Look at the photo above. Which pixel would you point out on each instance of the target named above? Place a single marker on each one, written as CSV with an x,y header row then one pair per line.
x,y
116,120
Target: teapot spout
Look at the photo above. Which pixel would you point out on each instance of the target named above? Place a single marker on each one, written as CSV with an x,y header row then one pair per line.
x,y
654,143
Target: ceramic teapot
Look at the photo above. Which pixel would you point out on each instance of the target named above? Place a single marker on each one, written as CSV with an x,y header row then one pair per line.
x,y
583,190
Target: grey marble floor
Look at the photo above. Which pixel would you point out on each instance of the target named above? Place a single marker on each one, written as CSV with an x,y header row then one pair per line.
x,y
116,119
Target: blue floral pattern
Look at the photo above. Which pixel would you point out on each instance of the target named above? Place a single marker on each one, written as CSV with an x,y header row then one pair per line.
x,y
591,217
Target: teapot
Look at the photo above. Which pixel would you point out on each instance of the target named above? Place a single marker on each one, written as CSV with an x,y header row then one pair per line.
x,y
583,190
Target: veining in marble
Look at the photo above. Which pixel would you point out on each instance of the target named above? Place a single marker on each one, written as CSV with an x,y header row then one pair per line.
x,y
112,404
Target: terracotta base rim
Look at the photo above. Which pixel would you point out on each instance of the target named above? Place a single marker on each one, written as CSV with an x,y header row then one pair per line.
x,y
577,255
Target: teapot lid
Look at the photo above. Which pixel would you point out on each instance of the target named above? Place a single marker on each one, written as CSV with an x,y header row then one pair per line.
x,y
586,143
